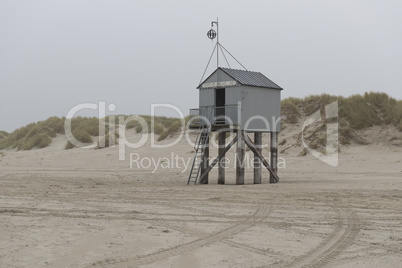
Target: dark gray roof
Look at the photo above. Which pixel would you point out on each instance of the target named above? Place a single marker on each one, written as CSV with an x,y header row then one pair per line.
x,y
249,78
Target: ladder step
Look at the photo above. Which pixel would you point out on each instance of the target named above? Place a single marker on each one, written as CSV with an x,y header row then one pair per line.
x,y
199,155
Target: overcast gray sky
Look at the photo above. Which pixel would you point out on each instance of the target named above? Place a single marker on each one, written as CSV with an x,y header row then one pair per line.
x,y
57,54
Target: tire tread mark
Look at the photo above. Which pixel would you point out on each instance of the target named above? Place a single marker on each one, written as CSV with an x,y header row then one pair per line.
x,y
179,249
252,249
342,237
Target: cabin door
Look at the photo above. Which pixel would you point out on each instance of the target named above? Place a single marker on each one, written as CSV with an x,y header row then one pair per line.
x,y
220,105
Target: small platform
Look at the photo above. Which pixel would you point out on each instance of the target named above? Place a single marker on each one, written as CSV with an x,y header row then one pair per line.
x,y
214,127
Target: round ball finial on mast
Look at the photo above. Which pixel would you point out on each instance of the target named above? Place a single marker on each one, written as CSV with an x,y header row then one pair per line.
x,y
212,34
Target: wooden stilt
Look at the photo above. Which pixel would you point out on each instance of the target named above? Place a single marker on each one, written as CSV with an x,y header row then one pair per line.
x,y
205,163
221,168
264,162
274,156
257,160
216,160
240,158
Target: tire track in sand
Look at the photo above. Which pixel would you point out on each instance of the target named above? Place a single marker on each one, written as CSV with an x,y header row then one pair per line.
x,y
342,237
166,253
231,243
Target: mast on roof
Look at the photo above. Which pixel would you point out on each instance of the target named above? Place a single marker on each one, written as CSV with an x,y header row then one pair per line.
x,y
212,34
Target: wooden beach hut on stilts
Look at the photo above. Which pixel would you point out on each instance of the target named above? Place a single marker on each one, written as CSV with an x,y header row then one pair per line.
x,y
239,101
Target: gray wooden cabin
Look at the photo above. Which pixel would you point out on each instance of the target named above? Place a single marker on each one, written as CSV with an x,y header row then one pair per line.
x,y
239,99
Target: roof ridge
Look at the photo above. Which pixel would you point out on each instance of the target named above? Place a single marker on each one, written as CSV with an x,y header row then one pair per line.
x,y
249,78
224,68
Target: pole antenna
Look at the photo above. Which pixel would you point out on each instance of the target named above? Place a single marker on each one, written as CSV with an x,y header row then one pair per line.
x,y
212,34
217,40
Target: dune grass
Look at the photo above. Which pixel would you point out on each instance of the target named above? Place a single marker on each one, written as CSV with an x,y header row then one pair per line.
x,y
290,111
82,129
34,135
172,129
371,109
355,113
3,134
40,134
160,125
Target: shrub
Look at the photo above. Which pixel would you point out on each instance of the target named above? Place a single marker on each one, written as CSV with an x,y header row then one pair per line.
x,y
158,129
42,140
48,131
171,130
290,111
358,112
138,128
91,126
54,123
38,140
40,134
80,135
132,124
3,134
136,123
385,105
314,103
293,100
82,128
344,136
87,124
33,135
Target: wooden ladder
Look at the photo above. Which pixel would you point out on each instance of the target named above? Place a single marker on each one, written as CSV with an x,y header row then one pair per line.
x,y
201,142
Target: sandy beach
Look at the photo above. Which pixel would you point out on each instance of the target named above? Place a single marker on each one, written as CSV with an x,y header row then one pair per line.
x,y
109,108
87,208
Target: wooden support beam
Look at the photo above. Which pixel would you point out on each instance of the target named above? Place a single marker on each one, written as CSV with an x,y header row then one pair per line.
x,y
216,160
274,156
221,167
205,162
264,162
240,153
257,160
